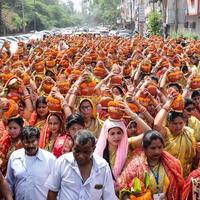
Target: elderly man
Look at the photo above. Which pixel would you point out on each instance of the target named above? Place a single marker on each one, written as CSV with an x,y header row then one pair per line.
x,y
80,175
29,167
4,189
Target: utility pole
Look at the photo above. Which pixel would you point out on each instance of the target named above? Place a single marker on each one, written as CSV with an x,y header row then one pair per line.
x,y
34,17
176,16
1,18
23,18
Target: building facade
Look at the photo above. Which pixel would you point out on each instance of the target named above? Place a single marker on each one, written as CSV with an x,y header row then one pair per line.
x,y
178,15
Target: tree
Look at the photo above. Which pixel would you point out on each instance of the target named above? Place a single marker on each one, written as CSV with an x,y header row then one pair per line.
x,y
49,13
154,23
103,11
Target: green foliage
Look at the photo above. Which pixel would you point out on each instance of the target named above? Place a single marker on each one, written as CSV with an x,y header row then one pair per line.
x,y
184,34
154,23
49,13
103,11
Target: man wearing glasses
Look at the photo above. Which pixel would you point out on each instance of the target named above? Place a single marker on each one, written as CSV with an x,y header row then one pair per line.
x,y
29,167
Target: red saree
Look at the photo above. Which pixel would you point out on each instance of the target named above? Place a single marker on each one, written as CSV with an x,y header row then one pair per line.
x,y
187,188
138,166
6,148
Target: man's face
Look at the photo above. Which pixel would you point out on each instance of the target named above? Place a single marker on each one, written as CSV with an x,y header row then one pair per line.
x,y
83,153
30,145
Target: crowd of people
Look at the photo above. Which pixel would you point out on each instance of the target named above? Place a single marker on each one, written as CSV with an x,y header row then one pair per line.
x,y
100,117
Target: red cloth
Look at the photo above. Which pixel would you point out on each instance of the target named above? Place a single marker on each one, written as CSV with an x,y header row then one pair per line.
x,y
187,188
58,145
5,144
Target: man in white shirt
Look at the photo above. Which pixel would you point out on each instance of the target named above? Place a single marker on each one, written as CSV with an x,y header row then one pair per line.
x,y
29,167
80,175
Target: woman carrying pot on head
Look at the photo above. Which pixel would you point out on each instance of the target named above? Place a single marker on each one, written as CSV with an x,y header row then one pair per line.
x,y
88,110
53,129
113,143
159,173
39,117
179,139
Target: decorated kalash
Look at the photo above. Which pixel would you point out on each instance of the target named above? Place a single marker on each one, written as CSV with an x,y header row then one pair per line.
x,y
139,190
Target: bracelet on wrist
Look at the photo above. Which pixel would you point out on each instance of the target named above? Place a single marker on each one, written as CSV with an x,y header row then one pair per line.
x,y
166,108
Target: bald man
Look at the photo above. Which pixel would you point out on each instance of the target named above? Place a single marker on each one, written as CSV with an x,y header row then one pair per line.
x,y
4,189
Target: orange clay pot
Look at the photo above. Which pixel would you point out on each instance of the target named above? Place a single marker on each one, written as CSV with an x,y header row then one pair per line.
x,y
127,70
116,79
99,72
114,110
50,63
154,59
13,95
63,86
176,61
152,89
195,84
146,67
47,87
174,76
178,103
87,88
133,107
4,77
26,78
164,64
144,100
39,67
104,101
87,59
12,109
53,104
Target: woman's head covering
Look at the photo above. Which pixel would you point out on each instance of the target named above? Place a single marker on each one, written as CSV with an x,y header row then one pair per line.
x,y
122,149
94,110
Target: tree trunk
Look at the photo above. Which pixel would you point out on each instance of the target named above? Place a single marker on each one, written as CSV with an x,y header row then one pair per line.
x,y
1,18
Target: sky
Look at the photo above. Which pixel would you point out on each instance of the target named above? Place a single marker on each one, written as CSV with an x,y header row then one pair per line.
x,y
77,4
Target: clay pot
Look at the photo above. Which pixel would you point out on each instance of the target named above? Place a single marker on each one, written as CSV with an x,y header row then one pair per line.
x,y
53,104
146,67
99,72
133,107
195,84
39,67
47,87
50,63
63,86
174,76
178,103
114,110
26,78
87,88
116,79
127,70
104,101
152,89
